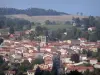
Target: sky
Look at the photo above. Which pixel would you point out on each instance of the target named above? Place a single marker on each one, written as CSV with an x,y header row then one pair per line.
x,y
87,7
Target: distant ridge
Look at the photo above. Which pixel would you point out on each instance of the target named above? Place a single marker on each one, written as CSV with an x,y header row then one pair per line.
x,y
31,12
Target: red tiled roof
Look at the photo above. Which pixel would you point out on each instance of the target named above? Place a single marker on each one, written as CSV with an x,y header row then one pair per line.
x,y
80,68
98,63
10,72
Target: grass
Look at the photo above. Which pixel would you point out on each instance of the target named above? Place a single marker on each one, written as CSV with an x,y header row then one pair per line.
x,y
4,30
55,27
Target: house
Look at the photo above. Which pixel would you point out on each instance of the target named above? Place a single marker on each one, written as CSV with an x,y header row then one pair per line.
x,y
4,33
83,57
11,37
91,28
30,72
16,58
94,49
10,73
97,65
48,60
66,60
75,48
82,39
79,68
75,42
93,61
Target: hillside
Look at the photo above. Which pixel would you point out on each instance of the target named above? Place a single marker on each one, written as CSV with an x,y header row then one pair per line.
x,y
30,11
41,19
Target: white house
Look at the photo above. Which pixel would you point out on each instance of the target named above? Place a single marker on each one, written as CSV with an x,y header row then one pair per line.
x,y
66,60
93,61
30,72
91,28
10,73
97,65
83,57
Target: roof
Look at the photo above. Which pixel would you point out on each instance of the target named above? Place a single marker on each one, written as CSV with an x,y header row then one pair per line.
x,y
92,28
11,36
80,68
10,72
92,59
30,71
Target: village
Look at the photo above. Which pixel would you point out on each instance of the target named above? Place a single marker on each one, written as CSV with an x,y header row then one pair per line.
x,y
66,55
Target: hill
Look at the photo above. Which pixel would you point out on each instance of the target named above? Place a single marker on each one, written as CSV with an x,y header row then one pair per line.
x,y
61,18
30,11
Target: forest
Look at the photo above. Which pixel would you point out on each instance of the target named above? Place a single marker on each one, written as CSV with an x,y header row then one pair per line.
x,y
30,11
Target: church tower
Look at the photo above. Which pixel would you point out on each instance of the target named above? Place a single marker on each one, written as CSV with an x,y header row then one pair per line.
x,y
44,39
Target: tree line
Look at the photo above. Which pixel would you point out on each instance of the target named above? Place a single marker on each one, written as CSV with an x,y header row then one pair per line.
x,y
30,11
17,24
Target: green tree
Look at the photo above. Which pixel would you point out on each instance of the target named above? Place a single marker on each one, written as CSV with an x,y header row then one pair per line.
x,y
24,66
11,30
91,21
93,36
98,58
86,22
46,73
39,30
75,58
47,22
87,72
38,60
32,34
84,51
38,71
98,29
74,73
78,21
2,23
1,40
1,60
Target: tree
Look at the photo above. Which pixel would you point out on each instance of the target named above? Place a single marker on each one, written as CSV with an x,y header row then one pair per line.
x,y
38,71
33,23
75,58
86,72
81,14
93,37
2,23
29,11
85,34
89,53
75,33
32,34
2,73
11,30
84,51
24,66
47,22
1,60
91,21
39,30
74,73
1,40
85,21
46,73
98,58
38,60
98,29
77,21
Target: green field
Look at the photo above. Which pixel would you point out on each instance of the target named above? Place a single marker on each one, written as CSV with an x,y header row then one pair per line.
x,y
55,27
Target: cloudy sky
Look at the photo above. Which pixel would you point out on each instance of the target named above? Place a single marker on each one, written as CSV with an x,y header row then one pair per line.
x,y
88,7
